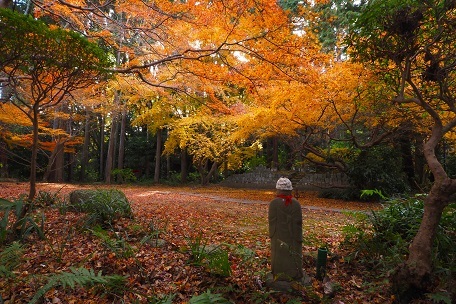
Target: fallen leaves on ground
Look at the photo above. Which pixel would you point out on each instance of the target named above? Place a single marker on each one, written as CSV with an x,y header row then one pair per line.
x,y
233,218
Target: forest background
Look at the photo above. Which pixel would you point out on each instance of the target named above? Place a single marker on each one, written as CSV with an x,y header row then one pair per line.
x,y
176,92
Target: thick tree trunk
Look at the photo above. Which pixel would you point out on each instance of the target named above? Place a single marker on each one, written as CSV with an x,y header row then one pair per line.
x,y
59,163
158,156
110,157
54,169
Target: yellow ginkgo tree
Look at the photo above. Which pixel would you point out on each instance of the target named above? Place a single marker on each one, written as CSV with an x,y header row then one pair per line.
x,y
211,142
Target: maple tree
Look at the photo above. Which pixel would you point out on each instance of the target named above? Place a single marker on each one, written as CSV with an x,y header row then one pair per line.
x,y
327,121
39,79
204,47
412,48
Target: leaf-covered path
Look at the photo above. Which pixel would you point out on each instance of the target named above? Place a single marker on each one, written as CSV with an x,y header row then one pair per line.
x,y
235,219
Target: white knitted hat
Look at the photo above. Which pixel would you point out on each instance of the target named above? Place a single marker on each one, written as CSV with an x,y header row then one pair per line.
x,y
284,184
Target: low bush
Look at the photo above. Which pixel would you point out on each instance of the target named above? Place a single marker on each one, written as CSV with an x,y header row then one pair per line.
x,y
377,168
45,198
102,206
213,257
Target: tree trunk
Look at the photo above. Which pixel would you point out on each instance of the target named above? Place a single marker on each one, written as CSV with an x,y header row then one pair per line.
x,y
111,150
212,171
59,162
85,148
147,159
275,154
33,158
202,169
102,145
184,166
55,161
158,156
413,278
71,163
405,146
3,160
121,154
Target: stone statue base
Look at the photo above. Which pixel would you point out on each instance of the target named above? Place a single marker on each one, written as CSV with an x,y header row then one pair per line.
x,y
288,286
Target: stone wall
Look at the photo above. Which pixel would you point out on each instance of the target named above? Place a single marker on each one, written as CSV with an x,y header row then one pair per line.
x,y
261,177
265,178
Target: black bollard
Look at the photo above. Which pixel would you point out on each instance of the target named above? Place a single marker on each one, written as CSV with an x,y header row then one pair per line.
x,y
321,263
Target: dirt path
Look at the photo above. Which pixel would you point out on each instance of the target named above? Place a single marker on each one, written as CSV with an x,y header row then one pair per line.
x,y
309,200
247,201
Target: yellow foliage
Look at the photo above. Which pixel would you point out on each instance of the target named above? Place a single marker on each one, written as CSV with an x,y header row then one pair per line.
x,y
10,114
209,138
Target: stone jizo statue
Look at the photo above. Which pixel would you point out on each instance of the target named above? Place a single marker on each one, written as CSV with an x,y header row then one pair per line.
x,y
285,231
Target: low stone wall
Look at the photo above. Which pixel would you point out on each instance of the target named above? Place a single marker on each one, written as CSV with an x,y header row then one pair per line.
x,y
324,180
265,178
261,177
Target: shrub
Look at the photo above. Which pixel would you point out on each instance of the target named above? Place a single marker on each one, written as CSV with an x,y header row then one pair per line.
x,y
213,257
102,206
127,174
378,168
381,239
45,198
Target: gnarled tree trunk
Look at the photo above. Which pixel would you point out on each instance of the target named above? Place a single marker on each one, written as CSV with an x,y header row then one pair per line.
x,y
413,278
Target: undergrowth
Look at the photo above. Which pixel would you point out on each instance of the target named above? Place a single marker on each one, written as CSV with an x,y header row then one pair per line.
x,y
380,240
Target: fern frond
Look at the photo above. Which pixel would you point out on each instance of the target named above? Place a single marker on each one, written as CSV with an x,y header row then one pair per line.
x,y
10,258
79,276
209,298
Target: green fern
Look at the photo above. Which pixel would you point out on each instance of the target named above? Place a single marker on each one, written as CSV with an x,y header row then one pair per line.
x,y
10,258
209,298
118,245
103,207
440,297
82,277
